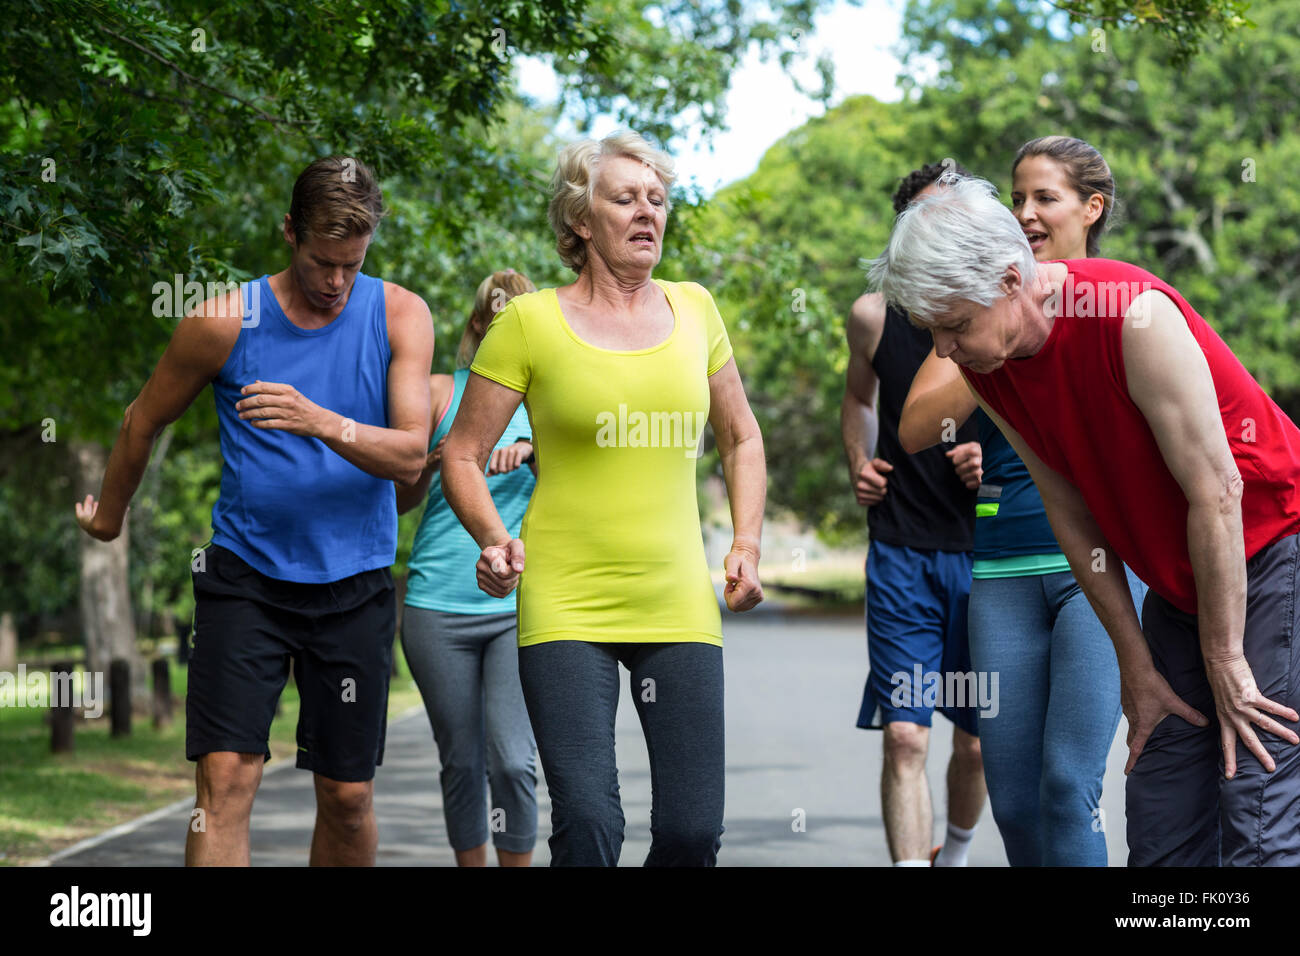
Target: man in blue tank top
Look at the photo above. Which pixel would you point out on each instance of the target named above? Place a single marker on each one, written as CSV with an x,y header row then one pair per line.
x,y
921,526
320,376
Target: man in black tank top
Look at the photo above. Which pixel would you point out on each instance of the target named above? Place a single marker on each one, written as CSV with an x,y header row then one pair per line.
x,y
921,524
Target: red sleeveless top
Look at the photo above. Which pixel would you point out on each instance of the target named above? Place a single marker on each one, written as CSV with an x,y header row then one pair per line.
x,y
1070,402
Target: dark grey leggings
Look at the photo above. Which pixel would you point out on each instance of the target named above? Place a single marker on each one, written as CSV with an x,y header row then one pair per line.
x,y
466,666
571,688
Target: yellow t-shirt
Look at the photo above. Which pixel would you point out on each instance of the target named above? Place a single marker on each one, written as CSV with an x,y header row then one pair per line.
x,y
612,543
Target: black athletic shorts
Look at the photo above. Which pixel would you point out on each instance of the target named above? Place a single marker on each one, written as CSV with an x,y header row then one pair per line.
x,y
247,626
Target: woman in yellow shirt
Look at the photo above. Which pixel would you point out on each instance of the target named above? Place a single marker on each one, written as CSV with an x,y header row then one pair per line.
x,y
619,372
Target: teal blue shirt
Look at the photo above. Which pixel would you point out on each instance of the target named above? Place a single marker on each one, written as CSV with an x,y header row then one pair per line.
x,y
442,560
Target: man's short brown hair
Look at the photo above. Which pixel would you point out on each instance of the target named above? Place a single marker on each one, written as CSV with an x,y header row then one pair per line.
x,y
336,197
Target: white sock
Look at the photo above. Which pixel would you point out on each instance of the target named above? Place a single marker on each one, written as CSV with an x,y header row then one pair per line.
x,y
912,863
956,846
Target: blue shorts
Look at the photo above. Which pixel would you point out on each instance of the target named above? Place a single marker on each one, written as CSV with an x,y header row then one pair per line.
x,y
916,638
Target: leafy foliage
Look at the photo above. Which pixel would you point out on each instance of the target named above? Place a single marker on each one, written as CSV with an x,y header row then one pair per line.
x,y
141,140
145,140
1201,156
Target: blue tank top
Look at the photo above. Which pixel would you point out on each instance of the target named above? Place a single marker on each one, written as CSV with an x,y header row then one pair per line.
x,y
441,566
290,506
1009,516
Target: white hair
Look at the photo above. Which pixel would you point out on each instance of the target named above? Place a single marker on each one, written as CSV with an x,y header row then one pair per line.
x,y
575,179
951,246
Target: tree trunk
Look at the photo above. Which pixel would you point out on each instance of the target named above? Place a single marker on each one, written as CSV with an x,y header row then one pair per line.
x,y
107,620
8,643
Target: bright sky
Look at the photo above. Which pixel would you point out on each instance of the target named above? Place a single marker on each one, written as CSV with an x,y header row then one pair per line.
x,y
763,105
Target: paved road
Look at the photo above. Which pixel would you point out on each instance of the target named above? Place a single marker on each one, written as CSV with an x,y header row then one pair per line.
x,y
794,682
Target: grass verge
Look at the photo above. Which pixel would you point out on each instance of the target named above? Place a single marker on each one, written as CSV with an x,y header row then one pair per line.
x,y
50,801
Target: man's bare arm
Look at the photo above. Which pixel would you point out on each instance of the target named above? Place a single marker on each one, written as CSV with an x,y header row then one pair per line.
x,y
937,401
411,496
398,451
195,354
859,423
1170,382
1146,696
1097,569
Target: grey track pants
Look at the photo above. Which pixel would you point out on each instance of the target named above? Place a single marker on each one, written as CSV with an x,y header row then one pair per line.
x,y
467,668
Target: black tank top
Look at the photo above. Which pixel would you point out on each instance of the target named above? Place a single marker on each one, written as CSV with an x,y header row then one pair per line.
x,y
925,505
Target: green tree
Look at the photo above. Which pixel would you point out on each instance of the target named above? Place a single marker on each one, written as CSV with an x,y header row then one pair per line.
x,y
950,31
146,140
1201,155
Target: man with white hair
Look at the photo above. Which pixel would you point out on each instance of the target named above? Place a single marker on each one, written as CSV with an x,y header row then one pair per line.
x,y
1151,445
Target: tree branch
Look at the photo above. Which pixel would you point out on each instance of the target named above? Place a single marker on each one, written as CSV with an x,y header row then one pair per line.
x,y
1190,239
1086,14
189,77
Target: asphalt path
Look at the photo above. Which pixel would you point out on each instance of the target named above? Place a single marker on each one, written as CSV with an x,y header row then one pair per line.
x,y
803,783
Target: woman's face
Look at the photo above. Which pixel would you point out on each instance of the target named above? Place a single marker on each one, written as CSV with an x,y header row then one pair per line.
x,y
625,225
1053,217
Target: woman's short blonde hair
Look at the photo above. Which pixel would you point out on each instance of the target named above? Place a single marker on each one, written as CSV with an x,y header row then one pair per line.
x,y
492,295
575,177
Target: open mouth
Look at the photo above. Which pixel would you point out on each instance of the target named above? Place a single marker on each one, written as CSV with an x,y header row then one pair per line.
x,y
643,238
1036,239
